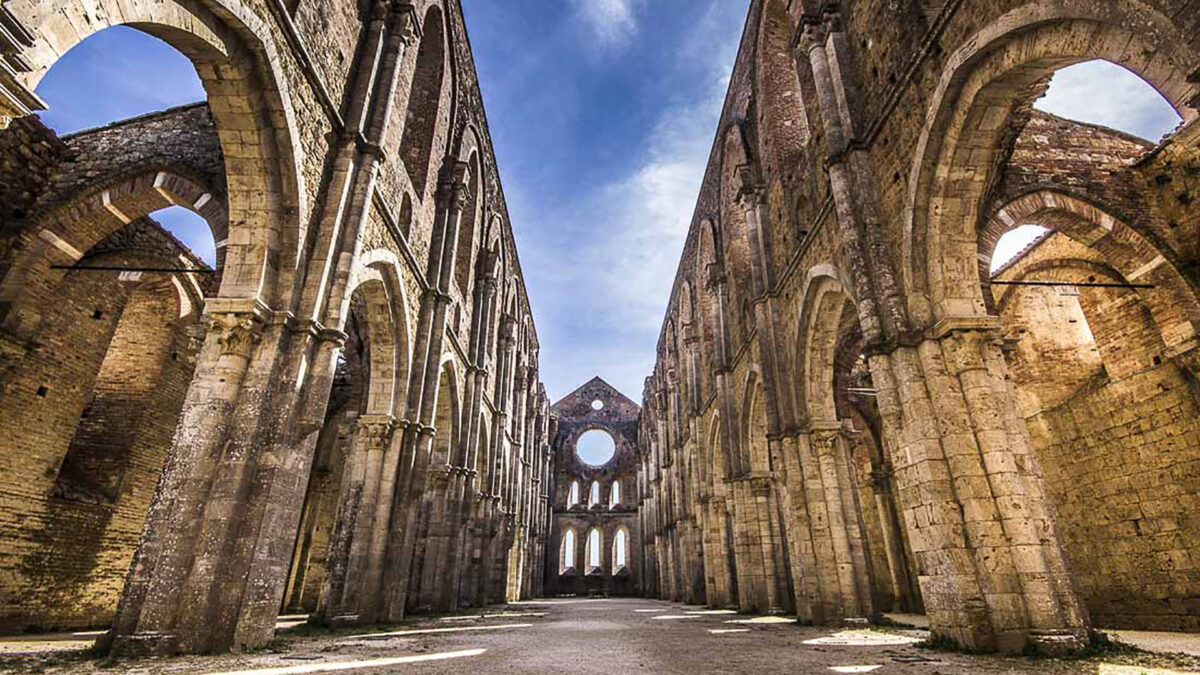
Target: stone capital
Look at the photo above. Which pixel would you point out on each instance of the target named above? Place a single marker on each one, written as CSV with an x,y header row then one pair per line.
x,y
238,332
376,429
452,185
812,33
750,190
831,17
405,19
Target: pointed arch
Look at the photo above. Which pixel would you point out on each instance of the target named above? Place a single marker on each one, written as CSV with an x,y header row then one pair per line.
x,y
425,103
472,216
237,61
594,552
446,420
781,104
957,156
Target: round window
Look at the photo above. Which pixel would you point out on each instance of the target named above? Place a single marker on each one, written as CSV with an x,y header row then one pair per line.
x,y
595,447
597,405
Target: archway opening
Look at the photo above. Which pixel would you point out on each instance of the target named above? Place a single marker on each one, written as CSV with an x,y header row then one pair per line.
x,y
620,555
838,393
104,275
1092,306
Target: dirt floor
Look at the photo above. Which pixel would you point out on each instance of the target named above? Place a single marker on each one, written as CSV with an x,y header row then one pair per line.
x,y
610,636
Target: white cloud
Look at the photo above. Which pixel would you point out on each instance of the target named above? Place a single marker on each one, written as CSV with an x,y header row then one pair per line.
x,y
612,22
1102,93
624,238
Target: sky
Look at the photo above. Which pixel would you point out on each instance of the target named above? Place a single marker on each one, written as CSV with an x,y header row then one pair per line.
x,y
603,114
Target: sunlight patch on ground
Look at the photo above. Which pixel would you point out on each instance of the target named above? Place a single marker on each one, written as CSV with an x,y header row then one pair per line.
x,y
502,615
649,610
353,665
429,631
854,669
284,625
764,619
722,631
862,638
1158,641
42,646
676,616
1109,669
559,602
708,612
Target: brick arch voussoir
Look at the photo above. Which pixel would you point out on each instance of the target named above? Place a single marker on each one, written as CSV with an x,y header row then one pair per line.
x,y
240,65
973,97
822,304
63,235
1172,299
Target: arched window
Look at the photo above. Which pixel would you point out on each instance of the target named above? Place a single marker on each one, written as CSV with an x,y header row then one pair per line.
x,y
620,557
615,497
567,554
573,498
424,102
594,495
594,548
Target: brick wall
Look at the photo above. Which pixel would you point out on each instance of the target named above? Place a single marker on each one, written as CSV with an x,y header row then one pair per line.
x,y
1116,427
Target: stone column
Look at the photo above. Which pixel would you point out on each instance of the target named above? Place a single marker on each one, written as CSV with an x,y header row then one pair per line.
x,y
416,505
969,483
349,595
883,487
144,620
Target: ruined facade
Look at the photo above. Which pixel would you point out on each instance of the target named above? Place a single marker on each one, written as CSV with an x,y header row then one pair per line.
x,y
345,415
595,541
849,417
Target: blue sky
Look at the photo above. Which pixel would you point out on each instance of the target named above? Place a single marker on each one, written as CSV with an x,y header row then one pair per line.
x,y
603,114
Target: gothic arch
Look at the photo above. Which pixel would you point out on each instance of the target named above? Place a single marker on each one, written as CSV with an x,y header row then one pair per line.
x,y
951,175
824,306
427,103
1136,259
780,102
376,290
446,446
236,60
469,229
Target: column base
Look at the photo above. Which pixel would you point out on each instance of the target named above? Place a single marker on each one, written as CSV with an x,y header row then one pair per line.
x,y
142,645
1056,642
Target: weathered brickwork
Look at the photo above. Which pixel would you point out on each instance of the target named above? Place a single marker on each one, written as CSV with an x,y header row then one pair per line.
x,y
345,418
848,414
1117,430
854,418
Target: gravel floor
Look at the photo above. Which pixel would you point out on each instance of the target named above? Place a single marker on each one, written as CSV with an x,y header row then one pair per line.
x,y
599,636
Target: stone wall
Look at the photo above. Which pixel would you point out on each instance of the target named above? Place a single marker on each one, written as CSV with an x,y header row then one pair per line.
x,y
864,196
93,411
343,163
1117,430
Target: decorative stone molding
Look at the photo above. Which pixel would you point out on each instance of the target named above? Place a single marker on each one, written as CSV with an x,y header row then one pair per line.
x,y
452,185
16,99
